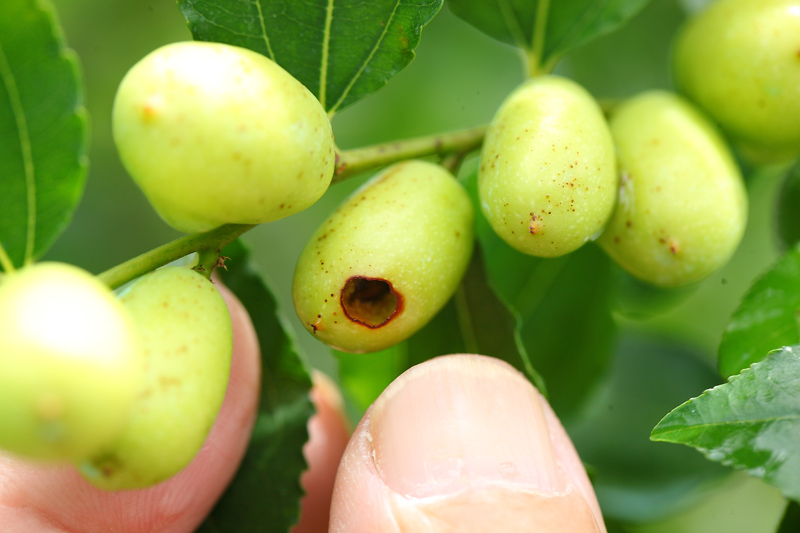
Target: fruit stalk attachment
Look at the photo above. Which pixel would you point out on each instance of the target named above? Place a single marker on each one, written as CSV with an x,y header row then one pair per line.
x,y
215,239
358,160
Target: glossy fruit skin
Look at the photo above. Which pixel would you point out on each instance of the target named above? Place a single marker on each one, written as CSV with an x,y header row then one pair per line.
x,y
216,134
738,60
410,226
186,333
682,205
70,360
547,180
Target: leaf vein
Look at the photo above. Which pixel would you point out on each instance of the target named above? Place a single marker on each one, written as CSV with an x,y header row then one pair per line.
x,y
513,25
264,29
363,66
25,147
326,39
723,423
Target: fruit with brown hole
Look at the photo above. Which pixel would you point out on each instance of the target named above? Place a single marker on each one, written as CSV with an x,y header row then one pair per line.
x,y
386,260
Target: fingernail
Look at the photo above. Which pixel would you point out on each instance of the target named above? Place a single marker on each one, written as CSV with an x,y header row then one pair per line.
x,y
462,421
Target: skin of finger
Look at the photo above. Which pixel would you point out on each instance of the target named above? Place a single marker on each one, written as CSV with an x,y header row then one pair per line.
x,y
363,502
328,435
49,499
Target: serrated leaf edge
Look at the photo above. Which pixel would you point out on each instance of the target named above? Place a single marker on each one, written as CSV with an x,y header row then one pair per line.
x,y
657,436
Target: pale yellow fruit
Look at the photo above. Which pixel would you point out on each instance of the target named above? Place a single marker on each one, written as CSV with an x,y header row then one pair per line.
x,y
186,331
682,205
70,361
740,61
547,180
216,134
386,260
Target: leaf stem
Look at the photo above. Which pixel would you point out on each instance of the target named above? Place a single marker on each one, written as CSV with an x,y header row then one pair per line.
x,y
537,46
5,261
352,162
465,320
215,239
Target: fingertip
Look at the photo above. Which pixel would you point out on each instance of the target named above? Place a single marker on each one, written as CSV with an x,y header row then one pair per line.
x,y
459,443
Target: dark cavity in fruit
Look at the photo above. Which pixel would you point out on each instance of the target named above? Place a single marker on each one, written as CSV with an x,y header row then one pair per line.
x,y
372,302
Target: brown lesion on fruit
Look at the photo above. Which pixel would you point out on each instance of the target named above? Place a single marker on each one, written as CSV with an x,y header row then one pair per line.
x,y
317,325
152,107
371,302
672,244
535,225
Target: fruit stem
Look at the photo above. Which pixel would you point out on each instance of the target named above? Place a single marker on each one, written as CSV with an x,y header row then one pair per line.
x,y
535,67
5,261
207,261
216,239
352,162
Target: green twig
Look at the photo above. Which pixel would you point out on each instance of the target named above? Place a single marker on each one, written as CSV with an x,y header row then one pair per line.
x,y
349,163
465,320
352,162
213,240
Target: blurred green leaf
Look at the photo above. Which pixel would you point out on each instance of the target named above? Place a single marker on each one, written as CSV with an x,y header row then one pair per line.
x,y
638,300
566,324
562,307
766,319
364,376
751,423
791,519
613,526
570,23
265,494
637,480
788,215
475,321
341,51
43,129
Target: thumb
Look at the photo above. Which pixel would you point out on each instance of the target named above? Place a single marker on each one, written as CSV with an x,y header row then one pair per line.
x,y
462,443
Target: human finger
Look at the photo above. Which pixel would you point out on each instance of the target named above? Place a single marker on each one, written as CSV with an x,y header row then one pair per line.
x,y
462,443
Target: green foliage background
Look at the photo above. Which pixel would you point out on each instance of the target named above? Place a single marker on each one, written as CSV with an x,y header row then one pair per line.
x,y
459,79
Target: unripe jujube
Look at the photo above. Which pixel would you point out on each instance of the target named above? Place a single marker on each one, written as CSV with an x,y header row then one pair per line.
x,y
386,260
217,134
740,61
70,361
682,205
547,179
186,333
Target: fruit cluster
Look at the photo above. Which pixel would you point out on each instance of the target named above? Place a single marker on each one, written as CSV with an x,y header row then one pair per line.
x,y
215,134
127,387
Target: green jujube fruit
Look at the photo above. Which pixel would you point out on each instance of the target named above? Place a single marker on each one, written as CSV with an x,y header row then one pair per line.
x,y
186,331
682,205
739,60
215,134
547,178
387,260
70,359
